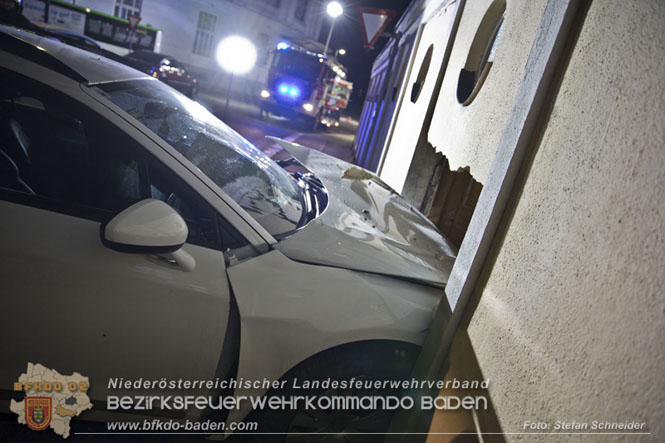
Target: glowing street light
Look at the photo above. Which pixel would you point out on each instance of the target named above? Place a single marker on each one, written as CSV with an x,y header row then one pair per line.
x,y
334,10
236,55
341,51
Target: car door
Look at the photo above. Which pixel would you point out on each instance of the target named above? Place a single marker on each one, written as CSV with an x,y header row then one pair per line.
x,y
69,302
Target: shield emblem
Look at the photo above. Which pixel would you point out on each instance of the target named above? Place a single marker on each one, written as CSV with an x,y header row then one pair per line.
x,y
38,412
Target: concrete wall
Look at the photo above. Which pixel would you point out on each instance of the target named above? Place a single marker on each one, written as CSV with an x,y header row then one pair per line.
x,y
410,116
468,135
570,316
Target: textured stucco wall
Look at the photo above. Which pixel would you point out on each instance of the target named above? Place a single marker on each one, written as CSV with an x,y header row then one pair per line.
x,y
410,116
468,135
570,323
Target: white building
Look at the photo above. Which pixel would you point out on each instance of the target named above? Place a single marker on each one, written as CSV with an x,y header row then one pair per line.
x,y
192,29
547,117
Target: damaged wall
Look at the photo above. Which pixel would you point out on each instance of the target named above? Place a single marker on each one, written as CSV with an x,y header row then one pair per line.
x,y
447,197
570,315
453,203
423,176
418,94
468,135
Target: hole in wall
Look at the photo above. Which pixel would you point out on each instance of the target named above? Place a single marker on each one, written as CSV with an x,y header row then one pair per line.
x,y
481,54
454,201
448,198
417,86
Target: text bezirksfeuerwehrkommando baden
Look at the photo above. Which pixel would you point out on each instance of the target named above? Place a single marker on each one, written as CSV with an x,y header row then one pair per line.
x,y
259,401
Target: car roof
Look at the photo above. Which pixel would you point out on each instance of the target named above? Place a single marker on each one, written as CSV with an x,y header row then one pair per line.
x,y
78,64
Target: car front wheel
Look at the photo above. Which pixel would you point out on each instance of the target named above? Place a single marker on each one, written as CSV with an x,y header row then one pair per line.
x,y
365,363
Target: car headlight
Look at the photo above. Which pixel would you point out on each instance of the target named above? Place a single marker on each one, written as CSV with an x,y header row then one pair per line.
x,y
265,93
308,107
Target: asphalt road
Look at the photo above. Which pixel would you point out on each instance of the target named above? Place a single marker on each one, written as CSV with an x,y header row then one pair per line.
x,y
244,118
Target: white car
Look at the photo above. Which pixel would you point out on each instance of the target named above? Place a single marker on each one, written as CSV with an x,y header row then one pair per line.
x,y
142,238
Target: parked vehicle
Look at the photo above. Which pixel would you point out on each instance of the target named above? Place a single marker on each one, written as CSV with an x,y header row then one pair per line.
x,y
81,41
165,68
78,40
141,237
113,32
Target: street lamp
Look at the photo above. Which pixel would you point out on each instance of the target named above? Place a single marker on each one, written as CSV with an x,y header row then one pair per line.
x,y
334,10
340,51
236,55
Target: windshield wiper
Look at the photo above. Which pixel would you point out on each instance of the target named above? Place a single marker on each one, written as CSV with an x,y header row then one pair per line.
x,y
306,198
314,194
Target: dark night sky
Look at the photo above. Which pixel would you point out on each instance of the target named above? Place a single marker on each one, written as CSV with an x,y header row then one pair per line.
x,y
348,35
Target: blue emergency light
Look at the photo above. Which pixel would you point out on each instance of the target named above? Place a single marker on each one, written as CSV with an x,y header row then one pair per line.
x,y
289,90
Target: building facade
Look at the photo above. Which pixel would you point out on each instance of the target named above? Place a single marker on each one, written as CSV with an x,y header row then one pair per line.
x,y
552,110
192,29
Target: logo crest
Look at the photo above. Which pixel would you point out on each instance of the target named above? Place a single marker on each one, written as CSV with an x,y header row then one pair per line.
x,y
38,412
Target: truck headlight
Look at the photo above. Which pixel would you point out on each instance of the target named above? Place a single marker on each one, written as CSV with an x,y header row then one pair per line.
x,y
265,93
308,107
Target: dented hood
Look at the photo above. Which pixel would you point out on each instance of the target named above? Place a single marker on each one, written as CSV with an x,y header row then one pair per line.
x,y
367,226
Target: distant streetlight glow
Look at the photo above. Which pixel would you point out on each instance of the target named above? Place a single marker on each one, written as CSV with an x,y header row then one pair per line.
x,y
341,51
334,9
236,54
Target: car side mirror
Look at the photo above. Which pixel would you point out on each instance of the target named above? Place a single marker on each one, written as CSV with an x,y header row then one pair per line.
x,y
147,227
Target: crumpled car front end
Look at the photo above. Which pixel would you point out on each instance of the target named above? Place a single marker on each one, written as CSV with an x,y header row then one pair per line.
x,y
367,226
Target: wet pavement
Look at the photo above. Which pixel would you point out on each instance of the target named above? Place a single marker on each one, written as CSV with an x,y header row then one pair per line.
x,y
244,118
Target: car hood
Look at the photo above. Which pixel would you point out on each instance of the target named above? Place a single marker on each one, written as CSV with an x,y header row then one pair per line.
x,y
367,226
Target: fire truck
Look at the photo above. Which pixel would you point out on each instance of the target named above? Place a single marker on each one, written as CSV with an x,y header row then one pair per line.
x,y
300,81
336,100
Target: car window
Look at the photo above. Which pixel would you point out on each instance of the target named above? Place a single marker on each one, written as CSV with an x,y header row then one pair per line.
x,y
247,175
91,46
53,149
57,154
205,227
176,64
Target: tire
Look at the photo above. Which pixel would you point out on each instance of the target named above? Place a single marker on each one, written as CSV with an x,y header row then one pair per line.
x,y
366,361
